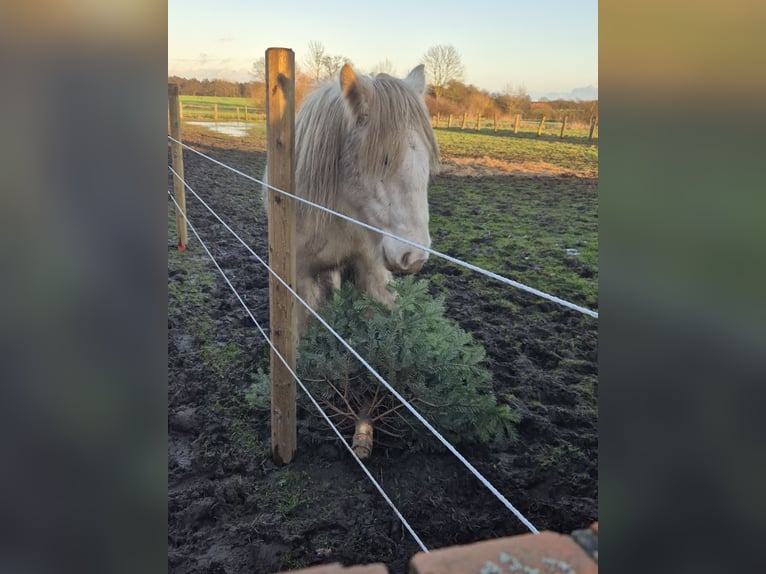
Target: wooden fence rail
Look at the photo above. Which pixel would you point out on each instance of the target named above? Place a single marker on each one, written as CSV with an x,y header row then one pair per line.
x,y
516,124
221,111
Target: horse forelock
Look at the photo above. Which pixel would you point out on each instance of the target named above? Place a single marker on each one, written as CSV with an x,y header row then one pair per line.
x,y
329,142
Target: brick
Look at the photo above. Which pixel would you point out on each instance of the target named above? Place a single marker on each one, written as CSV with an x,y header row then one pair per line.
x,y
545,553
588,540
338,568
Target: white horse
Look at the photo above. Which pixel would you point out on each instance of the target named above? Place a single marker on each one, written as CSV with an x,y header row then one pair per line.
x,y
364,147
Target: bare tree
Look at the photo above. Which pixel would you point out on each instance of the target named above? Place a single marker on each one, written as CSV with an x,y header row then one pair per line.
x,y
333,64
443,65
314,60
258,71
385,67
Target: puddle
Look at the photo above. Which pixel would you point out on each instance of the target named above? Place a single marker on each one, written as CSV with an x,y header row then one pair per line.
x,y
236,129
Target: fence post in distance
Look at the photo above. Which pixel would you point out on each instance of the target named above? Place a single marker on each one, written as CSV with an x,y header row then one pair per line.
x,y
177,158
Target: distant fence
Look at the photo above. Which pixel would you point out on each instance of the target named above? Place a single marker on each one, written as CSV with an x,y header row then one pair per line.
x,y
515,124
518,125
220,111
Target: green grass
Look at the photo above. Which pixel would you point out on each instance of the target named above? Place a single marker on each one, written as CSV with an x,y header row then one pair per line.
x,y
540,231
574,153
221,101
202,107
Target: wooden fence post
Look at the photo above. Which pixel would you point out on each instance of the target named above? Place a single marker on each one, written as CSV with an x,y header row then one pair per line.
x,y
215,112
593,121
237,113
478,123
438,117
516,124
245,112
449,121
540,127
563,127
280,150
494,127
174,105
462,127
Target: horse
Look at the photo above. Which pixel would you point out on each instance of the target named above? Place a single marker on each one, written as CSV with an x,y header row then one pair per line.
x,y
364,147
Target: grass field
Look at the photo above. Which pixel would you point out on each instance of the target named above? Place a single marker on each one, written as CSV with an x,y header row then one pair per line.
x,y
571,153
203,107
221,101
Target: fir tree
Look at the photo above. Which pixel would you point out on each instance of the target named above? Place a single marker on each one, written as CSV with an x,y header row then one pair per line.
x,y
425,356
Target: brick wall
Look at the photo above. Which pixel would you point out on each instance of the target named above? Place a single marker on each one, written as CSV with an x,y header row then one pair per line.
x,y
544,553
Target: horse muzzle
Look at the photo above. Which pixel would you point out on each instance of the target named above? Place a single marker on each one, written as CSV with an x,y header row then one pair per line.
x,y
407,262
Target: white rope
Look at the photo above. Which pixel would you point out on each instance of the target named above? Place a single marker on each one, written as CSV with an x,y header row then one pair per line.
x,y
300,383
454,260
375,373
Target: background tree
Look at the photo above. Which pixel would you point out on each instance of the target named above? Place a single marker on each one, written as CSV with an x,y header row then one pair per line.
x,y
384,67
514,101
258,71
314,60
333,64
443,65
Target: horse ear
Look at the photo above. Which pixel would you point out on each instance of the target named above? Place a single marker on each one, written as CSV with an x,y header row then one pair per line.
x,y
355,90
417,79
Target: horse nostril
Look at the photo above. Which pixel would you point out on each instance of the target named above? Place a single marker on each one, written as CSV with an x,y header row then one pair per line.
x,y
406,260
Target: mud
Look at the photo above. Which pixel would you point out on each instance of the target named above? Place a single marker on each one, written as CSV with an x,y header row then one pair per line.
x,y
230,509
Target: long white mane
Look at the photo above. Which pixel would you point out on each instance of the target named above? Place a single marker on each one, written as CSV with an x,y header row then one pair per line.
x,y
333,145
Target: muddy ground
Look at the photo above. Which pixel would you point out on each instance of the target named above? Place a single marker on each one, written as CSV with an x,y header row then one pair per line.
x,y
230,509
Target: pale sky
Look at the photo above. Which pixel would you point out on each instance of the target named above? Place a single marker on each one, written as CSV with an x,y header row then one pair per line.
x,y
545,46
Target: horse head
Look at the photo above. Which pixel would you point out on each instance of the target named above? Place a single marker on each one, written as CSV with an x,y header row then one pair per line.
x,y
388,156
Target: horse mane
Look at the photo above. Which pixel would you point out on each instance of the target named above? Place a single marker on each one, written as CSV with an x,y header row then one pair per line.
x,y
327,134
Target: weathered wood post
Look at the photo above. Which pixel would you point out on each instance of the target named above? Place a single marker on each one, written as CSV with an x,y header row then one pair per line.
x,y
177,158
438,117
237,113
540,127
465,115
563,127
516,124
478,123
215,112
246,112
449,121
494,124
593,121
280,150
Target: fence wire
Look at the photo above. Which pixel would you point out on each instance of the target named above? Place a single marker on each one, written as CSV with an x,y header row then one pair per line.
x,y
297,379
369,367
449,258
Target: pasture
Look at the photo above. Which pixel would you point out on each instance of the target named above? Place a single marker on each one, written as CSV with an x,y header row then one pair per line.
x,y
203,107
524,207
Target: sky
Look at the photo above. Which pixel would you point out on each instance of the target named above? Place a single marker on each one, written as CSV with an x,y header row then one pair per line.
x,y
543,46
